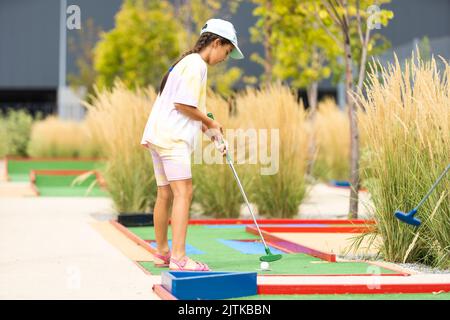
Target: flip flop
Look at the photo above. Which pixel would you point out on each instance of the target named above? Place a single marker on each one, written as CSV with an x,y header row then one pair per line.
x,y
161,261
187,264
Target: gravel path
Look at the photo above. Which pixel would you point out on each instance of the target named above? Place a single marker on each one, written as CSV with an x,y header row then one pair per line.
x,y
423,269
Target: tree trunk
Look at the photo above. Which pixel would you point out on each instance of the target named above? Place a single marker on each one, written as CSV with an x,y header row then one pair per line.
x,y
354,136
362,68
312,92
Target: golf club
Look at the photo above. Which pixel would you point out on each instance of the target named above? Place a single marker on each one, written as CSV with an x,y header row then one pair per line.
x,y
409,216
269,257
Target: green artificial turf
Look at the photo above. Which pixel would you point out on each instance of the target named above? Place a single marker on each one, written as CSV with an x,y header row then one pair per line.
x,y
60,186
20,170
400,296
220,257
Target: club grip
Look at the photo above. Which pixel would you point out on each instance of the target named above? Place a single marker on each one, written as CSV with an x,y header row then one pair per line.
x,y
211,116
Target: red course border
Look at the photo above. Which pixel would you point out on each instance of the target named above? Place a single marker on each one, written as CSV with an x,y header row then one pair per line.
x,y
278,221
163,293
6,168
289,229
130,235
34,173
351,288
54,159
336,275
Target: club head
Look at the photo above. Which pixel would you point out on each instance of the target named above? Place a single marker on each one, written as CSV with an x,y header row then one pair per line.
x,y
270,257
408,217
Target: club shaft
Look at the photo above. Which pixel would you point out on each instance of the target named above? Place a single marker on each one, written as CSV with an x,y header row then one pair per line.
x,y
432,188
245,197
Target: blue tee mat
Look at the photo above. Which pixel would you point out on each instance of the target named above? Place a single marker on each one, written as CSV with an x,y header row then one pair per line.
x,y
248,247
189,248
201,285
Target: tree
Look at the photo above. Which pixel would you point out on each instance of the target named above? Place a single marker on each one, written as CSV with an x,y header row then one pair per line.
x,y
296,50
303,51
303,44
347,16
144,42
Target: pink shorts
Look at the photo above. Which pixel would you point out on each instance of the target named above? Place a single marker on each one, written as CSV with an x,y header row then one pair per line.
x,y
170,164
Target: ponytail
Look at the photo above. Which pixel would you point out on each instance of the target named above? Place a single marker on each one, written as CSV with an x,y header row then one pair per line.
x,y
203,41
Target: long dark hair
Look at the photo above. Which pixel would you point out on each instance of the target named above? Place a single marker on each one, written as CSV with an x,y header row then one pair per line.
x,y
203,41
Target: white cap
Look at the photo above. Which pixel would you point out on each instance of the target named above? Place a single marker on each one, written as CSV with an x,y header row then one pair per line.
x,y
226,30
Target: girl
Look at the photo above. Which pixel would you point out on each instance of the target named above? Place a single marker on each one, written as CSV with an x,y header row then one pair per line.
x,y
177,116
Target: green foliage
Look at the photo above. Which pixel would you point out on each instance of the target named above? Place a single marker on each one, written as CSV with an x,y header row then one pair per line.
x,y
115,119
305,45
407,127
15,127
424,49
149,36
301,50
278,184
363,16
3,140
279,195
305,54
131,182
222,80
55,137
216,191
141,47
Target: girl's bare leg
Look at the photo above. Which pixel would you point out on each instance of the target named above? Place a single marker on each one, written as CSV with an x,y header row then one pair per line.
x,y
161,218
182,197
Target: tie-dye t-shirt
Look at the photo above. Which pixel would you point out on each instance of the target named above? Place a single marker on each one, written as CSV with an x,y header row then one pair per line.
x,y
166,126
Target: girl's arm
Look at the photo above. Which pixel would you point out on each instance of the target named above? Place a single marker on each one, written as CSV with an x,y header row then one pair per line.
x,y
207,124
196,114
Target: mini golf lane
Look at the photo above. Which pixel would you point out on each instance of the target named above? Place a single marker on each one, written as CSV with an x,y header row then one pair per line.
x,y
299,276
220,256
60,186
19,169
